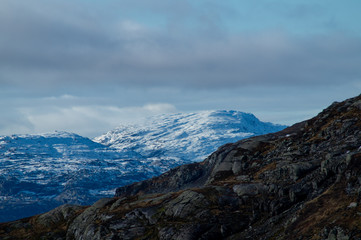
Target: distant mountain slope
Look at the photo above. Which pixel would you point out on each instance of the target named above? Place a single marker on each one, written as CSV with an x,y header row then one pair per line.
x,y
187,137
40,172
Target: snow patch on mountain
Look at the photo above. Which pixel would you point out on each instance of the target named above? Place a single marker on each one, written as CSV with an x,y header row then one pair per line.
x,y
186,136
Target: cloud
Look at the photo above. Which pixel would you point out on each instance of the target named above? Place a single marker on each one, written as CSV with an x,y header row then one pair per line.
x,y
78,65
88,120
159,108
60,98
91,116
59,44
13,121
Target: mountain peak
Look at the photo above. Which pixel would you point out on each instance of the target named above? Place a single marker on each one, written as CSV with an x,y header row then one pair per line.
x,y
186,136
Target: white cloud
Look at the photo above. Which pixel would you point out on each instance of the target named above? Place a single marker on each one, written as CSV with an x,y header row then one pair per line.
x,y
14,122
89,120
131,26
159,108
62,97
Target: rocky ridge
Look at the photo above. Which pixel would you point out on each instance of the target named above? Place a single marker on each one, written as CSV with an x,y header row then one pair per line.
x,y
300,183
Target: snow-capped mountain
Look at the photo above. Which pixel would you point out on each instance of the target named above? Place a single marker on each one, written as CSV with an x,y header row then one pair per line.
x,y
40,172
186,137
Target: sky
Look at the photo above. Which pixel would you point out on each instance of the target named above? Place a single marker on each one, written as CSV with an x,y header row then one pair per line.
x,y
87,66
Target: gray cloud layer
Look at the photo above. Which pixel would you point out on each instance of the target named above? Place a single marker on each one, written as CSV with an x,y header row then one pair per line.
x,y
86,66
57,45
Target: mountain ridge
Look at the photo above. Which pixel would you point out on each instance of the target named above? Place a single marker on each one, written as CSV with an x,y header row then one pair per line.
x,y
41,171
300,183
192,132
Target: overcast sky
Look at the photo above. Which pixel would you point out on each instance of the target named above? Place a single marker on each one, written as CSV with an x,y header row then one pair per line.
x,y
86,66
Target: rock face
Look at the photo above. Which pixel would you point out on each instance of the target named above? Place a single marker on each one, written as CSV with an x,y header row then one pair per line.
x,y
301,183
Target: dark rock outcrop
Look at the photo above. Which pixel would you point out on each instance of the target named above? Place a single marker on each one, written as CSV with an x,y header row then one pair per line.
x,y
301,183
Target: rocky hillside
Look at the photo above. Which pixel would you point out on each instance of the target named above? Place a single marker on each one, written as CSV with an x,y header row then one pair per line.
x,y
301,183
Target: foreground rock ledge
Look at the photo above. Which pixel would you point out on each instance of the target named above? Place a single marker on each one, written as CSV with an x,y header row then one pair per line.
x,y
301,183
